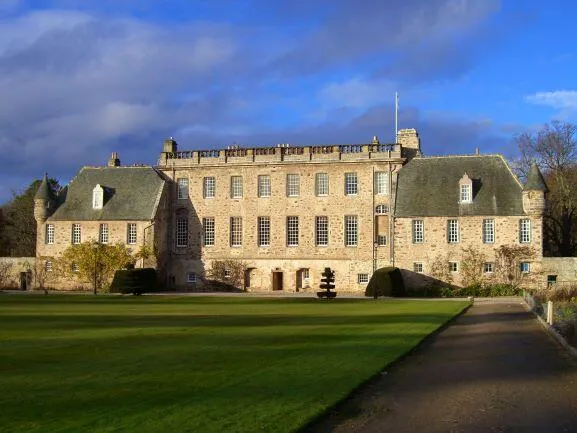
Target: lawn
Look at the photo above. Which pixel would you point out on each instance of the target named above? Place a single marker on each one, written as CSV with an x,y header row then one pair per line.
x,y
199,364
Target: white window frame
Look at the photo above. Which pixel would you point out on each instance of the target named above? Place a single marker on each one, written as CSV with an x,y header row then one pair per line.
x,y
466,193
74,267
208,227
235,231
453,266
292,231
182,183
191,277
418,231
49,234
489,231
97,197
48,266
453,235
381,209
103,233
351,230
362,278
76,235
182,232
382,182
321,231
263,228
131,234
305,272
293,185
321,184
351,183
488,267
525,231
264,185
209,187
236,187
381,240
525,267
418,267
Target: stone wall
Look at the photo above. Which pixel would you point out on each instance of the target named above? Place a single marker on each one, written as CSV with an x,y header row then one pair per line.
x,y
564,268
11,269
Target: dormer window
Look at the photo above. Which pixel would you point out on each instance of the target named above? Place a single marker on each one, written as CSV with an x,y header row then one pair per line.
x,y
465,189
97,197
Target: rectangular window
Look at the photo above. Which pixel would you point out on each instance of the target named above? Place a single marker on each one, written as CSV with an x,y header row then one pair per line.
x,y
418,231
381,240
322,231
382,183
235,231
263,231
48,266
453,267
351,231
465,193
49,236
74,267
488,267
305,273
208,228
103,234
264,185
453,231
362,278
524,267
182,232
525,231
321,184
292,185
182,187
131,234
418,267
292,231
235,186
351,184
191,277
489,231
76,236
208,187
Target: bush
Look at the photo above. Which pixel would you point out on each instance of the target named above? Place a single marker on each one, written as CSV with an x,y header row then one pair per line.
x,y
135,281
476,290
387,281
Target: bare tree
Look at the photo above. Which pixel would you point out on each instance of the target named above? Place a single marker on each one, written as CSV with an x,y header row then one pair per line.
x,y
554,149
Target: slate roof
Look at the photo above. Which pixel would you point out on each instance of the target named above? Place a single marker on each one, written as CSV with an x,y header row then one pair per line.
x,y
430,187
535,180
44,192
131,193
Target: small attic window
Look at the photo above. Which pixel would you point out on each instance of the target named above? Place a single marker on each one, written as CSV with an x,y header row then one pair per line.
x,y
465,189
97,197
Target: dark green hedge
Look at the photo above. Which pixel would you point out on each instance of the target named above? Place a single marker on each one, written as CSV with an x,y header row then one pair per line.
x,y
135,281
487,290
387,281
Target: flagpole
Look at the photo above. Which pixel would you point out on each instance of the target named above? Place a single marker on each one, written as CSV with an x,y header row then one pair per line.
x,y
396,116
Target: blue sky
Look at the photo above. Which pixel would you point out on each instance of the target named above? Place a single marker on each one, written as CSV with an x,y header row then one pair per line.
x,y
81,79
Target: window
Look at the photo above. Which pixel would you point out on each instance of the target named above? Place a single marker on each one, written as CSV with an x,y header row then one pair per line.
x,y
191,277
208,187
362,278
103,234
525,231
322,231
227,273
48,266
488,231
236,186
131,234
351,231
264,186
76,237
292,185
351,184
49,235
382,183
97,197
381,240
453,267
182,232
322,184
524,267
74,267
466,193
292,231
182,187
418,231
453,231
418,267
235,231
263,231
305,273
488,267
382,209
208,227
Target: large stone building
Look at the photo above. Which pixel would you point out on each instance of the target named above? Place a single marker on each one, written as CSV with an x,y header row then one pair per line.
x,y
288,212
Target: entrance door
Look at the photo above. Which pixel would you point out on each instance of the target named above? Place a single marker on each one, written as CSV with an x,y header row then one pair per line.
x,y
277,278
247,278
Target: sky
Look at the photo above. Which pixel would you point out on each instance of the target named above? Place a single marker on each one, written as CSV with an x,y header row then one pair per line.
x,y
82,79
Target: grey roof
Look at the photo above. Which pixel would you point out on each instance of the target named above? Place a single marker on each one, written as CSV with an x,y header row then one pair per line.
x,y
430,187
44,192
130,193
535,180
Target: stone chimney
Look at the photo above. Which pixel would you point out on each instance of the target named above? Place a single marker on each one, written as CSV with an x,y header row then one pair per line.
x,y
169,145
114,161
410,142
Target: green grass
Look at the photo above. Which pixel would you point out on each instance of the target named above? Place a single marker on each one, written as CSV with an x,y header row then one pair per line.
x,y
176,364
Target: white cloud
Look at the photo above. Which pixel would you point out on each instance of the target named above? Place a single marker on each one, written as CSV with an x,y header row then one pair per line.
x,y
559,99
356,93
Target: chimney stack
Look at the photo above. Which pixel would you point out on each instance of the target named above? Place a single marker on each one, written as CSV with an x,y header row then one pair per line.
x,y
114,161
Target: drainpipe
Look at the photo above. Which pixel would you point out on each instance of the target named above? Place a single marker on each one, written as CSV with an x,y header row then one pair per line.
x,y
373,246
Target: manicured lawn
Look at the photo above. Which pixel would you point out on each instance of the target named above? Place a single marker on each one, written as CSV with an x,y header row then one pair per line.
x,y
175,364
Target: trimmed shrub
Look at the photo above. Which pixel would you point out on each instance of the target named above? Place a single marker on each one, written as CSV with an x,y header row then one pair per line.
x,y
135,281
387,281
